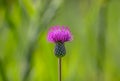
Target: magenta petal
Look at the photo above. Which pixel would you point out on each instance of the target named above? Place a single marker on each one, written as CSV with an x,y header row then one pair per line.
x,y
59,34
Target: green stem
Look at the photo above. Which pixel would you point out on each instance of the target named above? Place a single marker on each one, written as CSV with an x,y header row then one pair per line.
x,y
2,71
59,69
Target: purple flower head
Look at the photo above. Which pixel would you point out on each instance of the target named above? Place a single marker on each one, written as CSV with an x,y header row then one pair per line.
x,y
59,34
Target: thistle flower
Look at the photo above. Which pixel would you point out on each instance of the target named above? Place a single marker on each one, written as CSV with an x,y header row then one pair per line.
x,y
59,35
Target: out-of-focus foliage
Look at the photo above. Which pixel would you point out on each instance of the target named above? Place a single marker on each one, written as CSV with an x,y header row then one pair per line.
x,y
93,55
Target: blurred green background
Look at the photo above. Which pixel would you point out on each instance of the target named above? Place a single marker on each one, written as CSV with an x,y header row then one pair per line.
x,y
93,55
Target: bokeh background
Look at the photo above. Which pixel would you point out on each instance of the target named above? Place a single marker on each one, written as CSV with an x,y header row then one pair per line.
x,y
93,55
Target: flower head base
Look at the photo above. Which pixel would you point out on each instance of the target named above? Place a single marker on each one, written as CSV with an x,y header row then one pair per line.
x,y
59,34
60,50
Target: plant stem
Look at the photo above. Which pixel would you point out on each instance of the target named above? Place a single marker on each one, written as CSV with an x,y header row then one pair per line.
x,y
59,69
2,71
